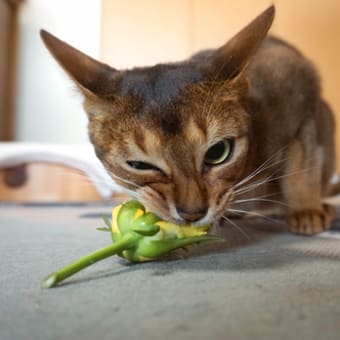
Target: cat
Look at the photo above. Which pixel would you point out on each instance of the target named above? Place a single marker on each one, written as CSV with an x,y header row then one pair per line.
x,y
229,130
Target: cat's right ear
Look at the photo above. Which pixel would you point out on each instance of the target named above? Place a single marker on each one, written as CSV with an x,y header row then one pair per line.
x,y
89,74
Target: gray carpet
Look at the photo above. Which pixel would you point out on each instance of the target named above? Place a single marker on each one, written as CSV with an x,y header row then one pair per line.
x,y
263,283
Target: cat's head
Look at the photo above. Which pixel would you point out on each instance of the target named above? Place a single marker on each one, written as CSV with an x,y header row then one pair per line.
x,y
175,135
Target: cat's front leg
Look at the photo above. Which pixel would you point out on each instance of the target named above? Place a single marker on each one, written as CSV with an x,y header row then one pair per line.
x,y
303,184
310,222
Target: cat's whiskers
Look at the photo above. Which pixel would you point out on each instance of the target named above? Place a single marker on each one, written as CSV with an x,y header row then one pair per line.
x,y
268,179
215,228
257,214
252,186
124,180
242,189
262,196
259,200
257,172
264,166
236,227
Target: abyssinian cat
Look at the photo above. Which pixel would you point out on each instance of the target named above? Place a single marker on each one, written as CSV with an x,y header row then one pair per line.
x,y
229,130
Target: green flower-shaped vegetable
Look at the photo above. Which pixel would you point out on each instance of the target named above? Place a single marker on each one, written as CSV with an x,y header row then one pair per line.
x,y
137,235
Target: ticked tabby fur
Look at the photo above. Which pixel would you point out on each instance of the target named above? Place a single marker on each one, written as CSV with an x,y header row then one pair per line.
x,y
229,130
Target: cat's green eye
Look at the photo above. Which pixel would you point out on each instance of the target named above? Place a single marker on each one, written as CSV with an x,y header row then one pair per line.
x,y
141,165
219,152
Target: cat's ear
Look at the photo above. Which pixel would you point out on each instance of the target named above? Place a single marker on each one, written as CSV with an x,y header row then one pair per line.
x,y
230,59
89,74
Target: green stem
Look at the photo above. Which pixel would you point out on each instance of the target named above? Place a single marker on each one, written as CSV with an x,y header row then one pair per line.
x,y
74,267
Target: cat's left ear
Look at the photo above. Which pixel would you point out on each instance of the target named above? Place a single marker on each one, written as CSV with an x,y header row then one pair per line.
x,y
230,59
92,76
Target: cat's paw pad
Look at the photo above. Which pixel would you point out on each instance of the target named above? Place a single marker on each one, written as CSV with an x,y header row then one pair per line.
x,y
310,222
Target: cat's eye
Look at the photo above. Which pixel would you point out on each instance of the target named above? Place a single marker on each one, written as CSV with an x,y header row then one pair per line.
x,y
219,152
137,165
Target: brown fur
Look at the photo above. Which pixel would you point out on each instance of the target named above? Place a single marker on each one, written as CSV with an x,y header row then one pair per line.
x,y
259,93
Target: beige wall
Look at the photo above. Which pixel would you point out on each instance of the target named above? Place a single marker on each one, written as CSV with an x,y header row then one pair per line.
x,y
48,108
144,32
314,26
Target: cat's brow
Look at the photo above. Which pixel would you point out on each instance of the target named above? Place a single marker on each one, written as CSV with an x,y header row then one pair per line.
x,y
195,132
140,140
149,143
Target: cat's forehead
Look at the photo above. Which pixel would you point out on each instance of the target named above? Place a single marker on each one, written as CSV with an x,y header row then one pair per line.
x,y
159,84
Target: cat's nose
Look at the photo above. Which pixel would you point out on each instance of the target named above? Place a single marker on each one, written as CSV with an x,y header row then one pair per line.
x,y
191,216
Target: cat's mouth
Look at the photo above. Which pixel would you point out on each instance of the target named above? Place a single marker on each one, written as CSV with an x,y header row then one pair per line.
x,y
168,211
206,220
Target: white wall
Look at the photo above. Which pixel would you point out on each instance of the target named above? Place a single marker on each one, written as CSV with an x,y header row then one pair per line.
x,y
48,106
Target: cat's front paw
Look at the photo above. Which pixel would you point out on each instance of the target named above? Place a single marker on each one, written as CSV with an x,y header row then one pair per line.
x,y
310,222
